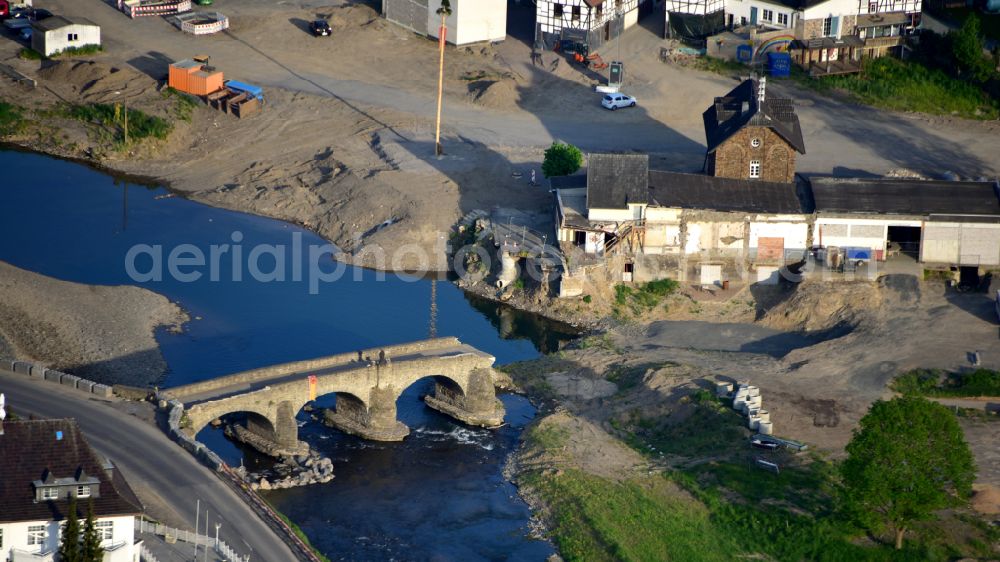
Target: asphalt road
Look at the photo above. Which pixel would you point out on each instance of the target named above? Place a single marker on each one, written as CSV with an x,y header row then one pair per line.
x,y
166,478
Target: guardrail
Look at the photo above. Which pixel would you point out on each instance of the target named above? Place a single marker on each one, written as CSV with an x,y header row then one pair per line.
x,y
43,373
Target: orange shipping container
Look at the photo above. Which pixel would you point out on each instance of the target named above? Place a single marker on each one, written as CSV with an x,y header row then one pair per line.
x,y
179,73
202,83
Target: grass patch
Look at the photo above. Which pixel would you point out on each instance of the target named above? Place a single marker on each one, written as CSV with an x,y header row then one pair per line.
x,y
140,125
548,437
11,119
30,54
185,104
710,428
718,66
79,51
299,533
899,85
934,382
597,519
644,297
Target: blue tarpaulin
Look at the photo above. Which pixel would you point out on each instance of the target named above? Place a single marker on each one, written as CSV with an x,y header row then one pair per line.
x,y
255,91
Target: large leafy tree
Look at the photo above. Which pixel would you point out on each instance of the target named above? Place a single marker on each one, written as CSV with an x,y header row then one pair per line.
x,y
967,48
907,459
69,546
561,160
91,551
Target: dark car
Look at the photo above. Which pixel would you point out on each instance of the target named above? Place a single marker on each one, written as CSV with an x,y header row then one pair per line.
x,y
321,28
38,14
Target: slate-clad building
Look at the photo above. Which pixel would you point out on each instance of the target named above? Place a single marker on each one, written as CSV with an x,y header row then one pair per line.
x,y
42,464
750,215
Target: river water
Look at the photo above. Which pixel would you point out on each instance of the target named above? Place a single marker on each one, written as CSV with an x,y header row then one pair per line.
x,y
437,495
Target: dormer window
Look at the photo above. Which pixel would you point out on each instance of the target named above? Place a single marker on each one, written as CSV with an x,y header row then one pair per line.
x,y
83,491
51,493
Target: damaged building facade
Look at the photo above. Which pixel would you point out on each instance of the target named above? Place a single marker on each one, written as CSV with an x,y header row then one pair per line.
x,y
749,215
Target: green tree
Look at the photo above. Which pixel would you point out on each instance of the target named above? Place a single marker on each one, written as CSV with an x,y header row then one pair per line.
x,y
92,551
907,459
561,160
967,49
69,546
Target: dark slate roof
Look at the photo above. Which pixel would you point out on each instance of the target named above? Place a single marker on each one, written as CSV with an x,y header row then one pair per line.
x,y
29,451
699,191
615,180
57,22
740,108
899,196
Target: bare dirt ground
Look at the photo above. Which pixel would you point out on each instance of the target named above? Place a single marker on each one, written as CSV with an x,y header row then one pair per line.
x,y
345,145
102,333
821,356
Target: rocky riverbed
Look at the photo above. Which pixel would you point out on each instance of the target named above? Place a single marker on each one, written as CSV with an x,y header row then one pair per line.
x,y
291,472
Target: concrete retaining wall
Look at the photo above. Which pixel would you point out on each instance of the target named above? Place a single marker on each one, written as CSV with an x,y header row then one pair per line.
x,y
64,379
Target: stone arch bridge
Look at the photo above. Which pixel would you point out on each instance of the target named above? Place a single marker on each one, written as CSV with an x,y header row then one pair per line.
x,y
366,383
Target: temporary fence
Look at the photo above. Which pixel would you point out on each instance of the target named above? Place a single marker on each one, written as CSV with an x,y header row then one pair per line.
x,y
190,537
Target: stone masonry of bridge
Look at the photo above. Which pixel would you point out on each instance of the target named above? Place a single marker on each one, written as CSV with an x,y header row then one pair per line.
x,y
366,383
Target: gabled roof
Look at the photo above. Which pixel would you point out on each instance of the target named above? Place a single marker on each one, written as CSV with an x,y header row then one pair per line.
x,y
615,180
31,451
699,191
901,196
740,108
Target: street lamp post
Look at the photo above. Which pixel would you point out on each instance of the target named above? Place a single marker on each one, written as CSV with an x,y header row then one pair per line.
x,y
444,11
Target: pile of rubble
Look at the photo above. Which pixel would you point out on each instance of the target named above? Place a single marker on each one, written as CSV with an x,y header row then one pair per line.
x,y
291,472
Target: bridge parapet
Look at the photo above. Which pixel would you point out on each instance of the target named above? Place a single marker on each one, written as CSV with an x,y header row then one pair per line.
x,y
320,363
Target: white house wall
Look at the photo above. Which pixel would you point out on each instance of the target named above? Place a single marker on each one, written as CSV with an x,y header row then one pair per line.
x,y
471,21
589,18
835,8
883,6
741,10
15,537
795,234
961,244
57,40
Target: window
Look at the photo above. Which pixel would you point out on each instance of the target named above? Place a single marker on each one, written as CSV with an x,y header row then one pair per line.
x,y
755,168
783,19
72,36
600,11
827,26
50,493
872,7
768,15
755,142
576,13
36,534
105,529
83,491
557,10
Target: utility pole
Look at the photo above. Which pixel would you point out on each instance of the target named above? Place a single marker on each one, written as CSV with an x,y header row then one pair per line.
x,y
444,11
197,519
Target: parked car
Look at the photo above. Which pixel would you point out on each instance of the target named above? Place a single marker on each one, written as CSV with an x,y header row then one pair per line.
x,y
321,28
614,101
38,14
15,24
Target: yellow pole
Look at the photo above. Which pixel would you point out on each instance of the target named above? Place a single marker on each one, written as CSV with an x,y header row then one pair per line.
x,y
441,39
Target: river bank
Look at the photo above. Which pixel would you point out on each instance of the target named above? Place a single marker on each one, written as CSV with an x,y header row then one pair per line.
x,y
106,334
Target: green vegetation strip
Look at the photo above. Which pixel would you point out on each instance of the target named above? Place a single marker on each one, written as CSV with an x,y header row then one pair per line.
x,y
933,382
301,534
644,297
140,125
890,83
598,519
11,119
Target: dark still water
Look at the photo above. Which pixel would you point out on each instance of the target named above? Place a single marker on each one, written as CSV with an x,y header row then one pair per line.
x,y
437,495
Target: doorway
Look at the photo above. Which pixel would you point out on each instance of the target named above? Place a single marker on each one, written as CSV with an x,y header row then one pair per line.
x,y
904,240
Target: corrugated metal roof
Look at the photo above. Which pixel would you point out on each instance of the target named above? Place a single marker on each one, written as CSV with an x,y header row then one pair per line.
x,y
699,191
901,196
